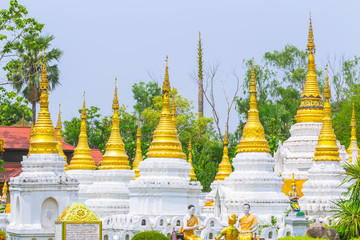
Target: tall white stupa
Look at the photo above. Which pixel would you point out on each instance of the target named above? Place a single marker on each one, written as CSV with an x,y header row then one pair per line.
x,y
43,190
164,187
296,153
325,175
109,193
253,180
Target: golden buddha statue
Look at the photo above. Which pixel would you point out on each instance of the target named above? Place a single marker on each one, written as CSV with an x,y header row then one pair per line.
x,y
230,232
294,196
248,224
3,198
190,224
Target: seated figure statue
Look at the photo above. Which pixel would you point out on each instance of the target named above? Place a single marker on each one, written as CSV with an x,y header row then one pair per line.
x,y
231,232
3,198
294,196
248,224
190,224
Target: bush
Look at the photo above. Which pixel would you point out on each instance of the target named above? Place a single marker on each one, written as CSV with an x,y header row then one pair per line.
x,y
297,238
2,235
149,235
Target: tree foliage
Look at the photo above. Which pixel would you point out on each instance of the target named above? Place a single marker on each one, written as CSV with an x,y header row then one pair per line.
x,y
13,108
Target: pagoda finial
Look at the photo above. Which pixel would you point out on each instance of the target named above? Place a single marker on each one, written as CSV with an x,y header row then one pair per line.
x,y
173,110
43,137
115,156
293,182
59,138
253,139
353,138
327,149
192,171
225,168
165,143
311,107
82,159
138,155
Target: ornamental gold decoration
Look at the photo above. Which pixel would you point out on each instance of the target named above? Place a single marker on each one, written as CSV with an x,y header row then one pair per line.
x,y
115,156
225,168
165,143
253,139
327,149
43,134
77,212
82,159
192,171
58,138
138,155
353,138
311,106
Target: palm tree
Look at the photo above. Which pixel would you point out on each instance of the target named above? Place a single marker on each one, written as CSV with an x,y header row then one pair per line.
x,y
24,73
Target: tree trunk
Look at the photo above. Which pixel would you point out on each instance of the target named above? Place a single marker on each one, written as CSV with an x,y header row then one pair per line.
x,y
34,112
200,80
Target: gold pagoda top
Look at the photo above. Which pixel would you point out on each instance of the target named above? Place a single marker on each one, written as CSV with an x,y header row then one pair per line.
x,y
173,111
311,108
82,159
115,156
253,139
138,155
192,171
165,143
43,134
58,138
225,167
353,138
327,149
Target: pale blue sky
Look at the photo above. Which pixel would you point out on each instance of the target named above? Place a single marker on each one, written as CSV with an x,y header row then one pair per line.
x,y
102,40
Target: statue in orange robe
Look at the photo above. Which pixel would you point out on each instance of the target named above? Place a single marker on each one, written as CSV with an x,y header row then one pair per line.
x,y
248,224
190,224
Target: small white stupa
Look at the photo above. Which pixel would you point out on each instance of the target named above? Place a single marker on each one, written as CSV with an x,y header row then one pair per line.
x,y
43,190
109,193
164,187
253,180
82,166
323,186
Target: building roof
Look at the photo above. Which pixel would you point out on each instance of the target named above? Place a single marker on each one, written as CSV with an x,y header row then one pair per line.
x,y
19,138
96,155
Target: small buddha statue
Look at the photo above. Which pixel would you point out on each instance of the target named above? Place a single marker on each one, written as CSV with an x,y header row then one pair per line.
x,y
190,224
294,196
3,198
248,224
231,232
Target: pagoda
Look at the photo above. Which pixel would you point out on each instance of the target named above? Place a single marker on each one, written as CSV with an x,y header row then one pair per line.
x,y
43,190
353,146
296,153
82,165
253,180
164,187
323,187
109,194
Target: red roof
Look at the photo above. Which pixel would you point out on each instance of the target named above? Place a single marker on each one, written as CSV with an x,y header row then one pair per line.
x,y
19,138
12,169
97,156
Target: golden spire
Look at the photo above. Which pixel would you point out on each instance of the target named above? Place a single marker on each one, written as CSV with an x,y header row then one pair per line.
x,y
225,168
165,143
138,156
43,135
173,111
293,182
115,156
58,138
253,139
327,149
5,188
192,171
82,159
311,108
353,136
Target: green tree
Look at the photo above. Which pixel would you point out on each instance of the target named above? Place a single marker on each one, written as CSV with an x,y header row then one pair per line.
x,y
144,94
13,108
24,72
14,24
